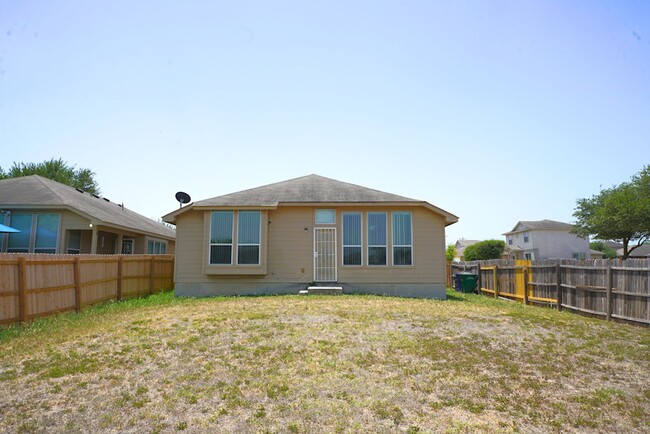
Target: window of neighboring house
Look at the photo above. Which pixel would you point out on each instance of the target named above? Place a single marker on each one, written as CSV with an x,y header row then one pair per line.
x,y
156,247
74,242
579,255
325,216
402,236
221,234
510,240
376,238
19,241
528,256
248,238
39,233
47,233
352,238
525,237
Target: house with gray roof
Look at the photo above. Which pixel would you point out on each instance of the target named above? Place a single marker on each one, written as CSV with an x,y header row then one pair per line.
x,y
312,230
56,218
545,239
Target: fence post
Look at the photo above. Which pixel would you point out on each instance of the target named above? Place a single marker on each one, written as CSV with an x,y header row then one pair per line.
x,y
77,285
496,281
478,279
558,279
610,284
22,287
525,286
151,274
120,278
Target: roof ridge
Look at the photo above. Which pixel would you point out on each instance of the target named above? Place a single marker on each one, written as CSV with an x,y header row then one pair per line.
x,y
46,183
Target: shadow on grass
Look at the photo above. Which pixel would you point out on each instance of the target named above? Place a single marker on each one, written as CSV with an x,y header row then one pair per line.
x,y
452,295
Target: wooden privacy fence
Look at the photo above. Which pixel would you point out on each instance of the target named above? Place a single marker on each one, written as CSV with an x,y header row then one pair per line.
x,y
33,285
609,289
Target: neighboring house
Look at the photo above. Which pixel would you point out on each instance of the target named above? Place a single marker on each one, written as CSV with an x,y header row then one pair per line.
x,y
56,218
640,252
461,245
545,239
281,237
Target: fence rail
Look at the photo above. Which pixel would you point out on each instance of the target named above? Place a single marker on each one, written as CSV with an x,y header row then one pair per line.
x,y
609,289
37,285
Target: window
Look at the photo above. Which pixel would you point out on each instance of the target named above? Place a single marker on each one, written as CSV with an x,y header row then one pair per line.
x,y
221,237
19,242
248,238
402,244
325,216
528,256
156,247
376,238
580,256
352,238
525,237
510,240
39,233
74,242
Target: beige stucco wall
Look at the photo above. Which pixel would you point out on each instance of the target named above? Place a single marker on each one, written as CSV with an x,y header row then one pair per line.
x,y
289,253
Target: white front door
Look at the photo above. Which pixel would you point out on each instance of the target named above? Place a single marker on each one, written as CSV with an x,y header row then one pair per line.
x,y
324,254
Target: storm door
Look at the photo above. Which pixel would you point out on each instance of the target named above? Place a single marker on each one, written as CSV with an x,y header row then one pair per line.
x,y
324,254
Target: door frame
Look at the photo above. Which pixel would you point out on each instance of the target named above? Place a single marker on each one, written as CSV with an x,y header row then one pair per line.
x,y
334,252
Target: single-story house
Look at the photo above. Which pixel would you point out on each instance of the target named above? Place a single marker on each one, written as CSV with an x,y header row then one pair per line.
x,y
283,237
56,218
641,252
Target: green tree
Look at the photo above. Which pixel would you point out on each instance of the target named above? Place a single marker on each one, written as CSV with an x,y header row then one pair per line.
x,y
484,250
608,252
450,253
57,170
620,213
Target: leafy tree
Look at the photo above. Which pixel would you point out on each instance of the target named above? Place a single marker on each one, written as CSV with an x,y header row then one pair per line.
x,y
484,250
57,170
608,252
450,253
620,213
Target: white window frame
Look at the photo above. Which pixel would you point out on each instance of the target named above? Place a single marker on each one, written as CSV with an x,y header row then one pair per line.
x,y
360,246
333,212
385,246
160,243
232,239
401,245
526,237
259,243
529,256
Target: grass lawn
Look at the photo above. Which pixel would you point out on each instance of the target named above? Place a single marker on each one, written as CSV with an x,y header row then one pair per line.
x,y
324,364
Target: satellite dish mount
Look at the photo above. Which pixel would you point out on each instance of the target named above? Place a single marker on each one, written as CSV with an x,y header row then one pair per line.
x,y
182,198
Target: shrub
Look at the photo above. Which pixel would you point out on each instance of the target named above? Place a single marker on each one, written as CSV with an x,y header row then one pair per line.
x,y
488,249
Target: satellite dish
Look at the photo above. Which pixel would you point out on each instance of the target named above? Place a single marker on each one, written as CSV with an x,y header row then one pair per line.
x,y
182,198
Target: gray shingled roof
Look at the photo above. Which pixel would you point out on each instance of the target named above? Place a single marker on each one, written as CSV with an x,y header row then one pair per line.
x,y
38,192
540,225
307,189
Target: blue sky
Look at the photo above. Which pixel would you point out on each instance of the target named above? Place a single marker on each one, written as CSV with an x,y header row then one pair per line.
x,y
496,111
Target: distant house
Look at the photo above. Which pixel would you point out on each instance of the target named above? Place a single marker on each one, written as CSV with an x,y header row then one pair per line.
x,y
640,252
461,245
56,218
545,239
283,237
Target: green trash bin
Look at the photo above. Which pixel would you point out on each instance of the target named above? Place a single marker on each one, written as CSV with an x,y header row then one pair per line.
x,y
468,282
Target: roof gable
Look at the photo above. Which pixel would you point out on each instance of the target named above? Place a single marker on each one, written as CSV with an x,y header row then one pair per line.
x,y
305,190
38,192
541,225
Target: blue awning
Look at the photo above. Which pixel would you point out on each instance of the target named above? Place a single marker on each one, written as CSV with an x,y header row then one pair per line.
x,y
7,229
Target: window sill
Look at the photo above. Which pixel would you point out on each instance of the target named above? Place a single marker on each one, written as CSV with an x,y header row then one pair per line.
x,y
235,270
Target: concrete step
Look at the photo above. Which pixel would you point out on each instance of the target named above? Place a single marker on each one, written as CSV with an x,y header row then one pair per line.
x,y
322,290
